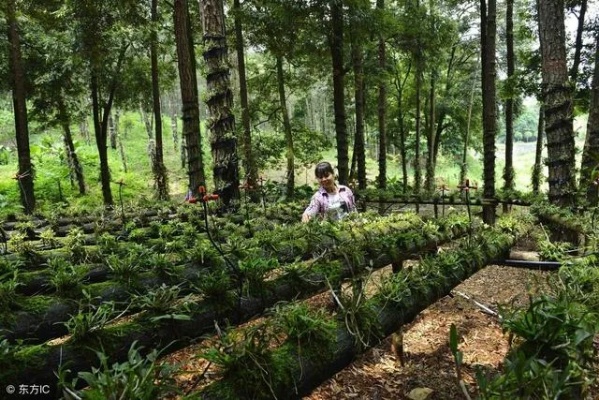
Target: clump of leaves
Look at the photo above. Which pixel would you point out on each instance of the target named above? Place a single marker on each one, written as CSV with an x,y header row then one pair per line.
x,y
125,269
358,314
244,356
553,251
164,302
75,245
310,329
162,266
215,285
139,377
253,271
8,290
108,243
554,354
88,321
65,279
48,238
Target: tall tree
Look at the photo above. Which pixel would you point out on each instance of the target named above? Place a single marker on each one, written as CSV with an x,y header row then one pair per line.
x,y
251,172
189,95
508,173
538,166
223,142
488,11
336,47
158,167
382,105
589,166
557,96
359,145
25,174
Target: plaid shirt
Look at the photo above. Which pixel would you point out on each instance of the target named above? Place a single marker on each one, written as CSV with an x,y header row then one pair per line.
x,y
320,201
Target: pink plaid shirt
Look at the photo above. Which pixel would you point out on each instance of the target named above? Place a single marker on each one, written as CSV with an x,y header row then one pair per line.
x,y
320,201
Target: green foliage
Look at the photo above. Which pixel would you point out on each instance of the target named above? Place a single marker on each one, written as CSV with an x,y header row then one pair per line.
x,y
244,356
65,278
554,354
553,251
139,377
164,302
311,329
8,290
86,324
74,245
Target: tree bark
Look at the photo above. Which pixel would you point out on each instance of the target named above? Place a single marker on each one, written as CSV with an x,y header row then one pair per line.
x,y
537,167
557,96
359,147
488,47
75,168
588,169
336,46
158,167
508,173
578,43
430,137
382,106
221,123
192,136
24,176
249,164
289,152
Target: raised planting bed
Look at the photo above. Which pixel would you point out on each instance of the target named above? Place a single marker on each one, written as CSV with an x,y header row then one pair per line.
x,y
402,297
297,281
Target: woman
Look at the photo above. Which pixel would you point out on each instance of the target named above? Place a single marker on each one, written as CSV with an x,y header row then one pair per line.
x,y
331,201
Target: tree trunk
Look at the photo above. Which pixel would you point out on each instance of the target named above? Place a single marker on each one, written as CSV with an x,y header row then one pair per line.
x,y
220,102
100,135
578,43
359,148
158,167
111,132
488,38
464,165
588,173
25,174
430,137
382,107
289,152
191,147
537,168
336,46
75,168
508,172
175,130
249,164
557,96
417,172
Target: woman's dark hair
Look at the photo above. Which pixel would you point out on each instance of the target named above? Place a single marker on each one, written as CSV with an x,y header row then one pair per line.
x,y
323,168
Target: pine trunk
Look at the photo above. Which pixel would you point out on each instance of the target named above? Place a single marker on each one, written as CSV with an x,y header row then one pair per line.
x,y
191,149
557,96
289,152
488,47
537,167
158,167
25,174
336,46
508,172
359,148
249,164
382,107
219,99
75,168
588,173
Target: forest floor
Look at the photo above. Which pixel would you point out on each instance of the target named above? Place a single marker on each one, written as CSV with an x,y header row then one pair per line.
x,y
428,362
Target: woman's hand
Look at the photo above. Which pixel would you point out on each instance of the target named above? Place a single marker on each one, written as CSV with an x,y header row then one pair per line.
x,y
306,217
